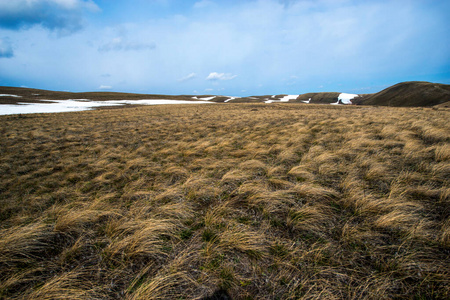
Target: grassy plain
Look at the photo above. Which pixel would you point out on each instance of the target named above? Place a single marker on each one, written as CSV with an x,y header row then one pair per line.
x,y
259,201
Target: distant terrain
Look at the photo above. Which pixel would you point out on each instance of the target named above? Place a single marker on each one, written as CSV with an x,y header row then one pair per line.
x,y
405,94
409,94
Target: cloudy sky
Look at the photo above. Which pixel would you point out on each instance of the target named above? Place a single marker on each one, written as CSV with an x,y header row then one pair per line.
x,y
226,47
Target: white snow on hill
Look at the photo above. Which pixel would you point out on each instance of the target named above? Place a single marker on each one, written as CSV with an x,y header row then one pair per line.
x,y
284,99
55,106
228,100
289,97
9,95
346,98
208,98
151,102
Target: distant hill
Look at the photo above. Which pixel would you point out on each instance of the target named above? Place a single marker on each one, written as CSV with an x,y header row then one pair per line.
x,y
409,94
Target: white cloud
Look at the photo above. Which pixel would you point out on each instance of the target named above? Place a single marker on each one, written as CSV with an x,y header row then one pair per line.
x,y
220,76
188,77
105,87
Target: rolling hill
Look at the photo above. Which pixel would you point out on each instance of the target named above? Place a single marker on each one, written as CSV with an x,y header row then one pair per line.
x,y
405,94
409,94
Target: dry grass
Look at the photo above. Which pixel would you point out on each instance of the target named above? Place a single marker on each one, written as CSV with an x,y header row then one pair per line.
x,y
279,201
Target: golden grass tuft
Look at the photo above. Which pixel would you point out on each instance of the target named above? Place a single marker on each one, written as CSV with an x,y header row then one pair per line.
x,y
254,166
288,156
311,218
235,177
314,191
144,238
443,152
164,286
301,174
201,189
24,243
399,220
243,241
445,235
68,285
79,220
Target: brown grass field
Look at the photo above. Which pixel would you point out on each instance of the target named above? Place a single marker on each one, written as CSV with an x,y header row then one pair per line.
x,y
240,201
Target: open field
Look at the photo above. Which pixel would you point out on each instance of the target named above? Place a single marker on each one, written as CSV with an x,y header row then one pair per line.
x,y
253,201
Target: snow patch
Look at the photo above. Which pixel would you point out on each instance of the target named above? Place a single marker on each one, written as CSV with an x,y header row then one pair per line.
x,y
9,95
152,102
346,98
284,99
289,97
207,98
56,106
53,107
228,100
307,101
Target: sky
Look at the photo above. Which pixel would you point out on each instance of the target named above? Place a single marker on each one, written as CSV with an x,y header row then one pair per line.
x,y
223,47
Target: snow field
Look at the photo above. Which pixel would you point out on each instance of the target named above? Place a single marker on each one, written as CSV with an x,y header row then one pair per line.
x,y
284,99
55,106
9,95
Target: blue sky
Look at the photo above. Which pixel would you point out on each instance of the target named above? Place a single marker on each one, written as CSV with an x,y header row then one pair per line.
x,y
247,47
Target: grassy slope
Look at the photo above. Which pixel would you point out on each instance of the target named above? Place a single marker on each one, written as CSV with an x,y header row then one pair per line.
x,y
409,94
264,201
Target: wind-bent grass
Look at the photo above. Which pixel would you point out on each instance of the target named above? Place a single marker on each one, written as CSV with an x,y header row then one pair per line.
x,y
279,201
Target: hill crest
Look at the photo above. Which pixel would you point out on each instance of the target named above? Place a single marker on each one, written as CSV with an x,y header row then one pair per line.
x,y
409,94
